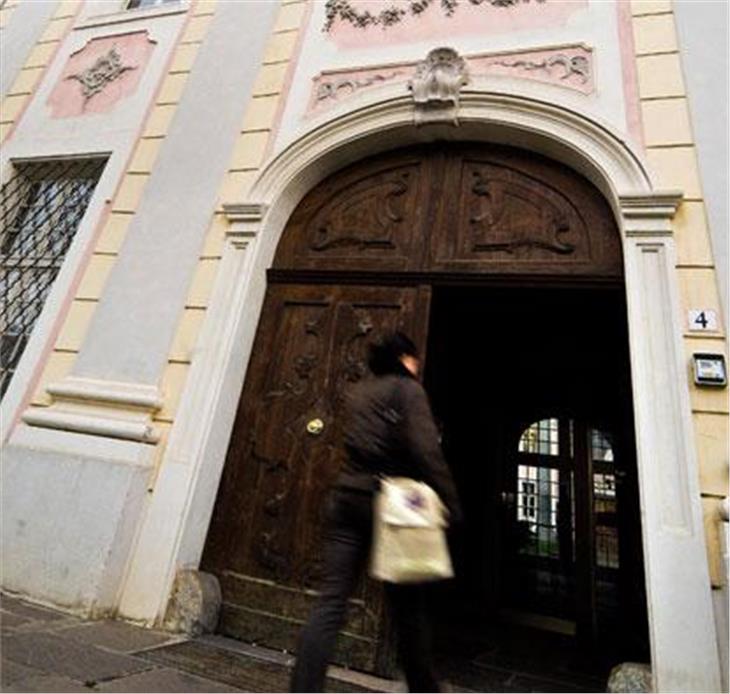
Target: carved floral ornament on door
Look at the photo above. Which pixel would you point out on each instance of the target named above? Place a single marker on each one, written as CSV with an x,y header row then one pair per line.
x,y
393,14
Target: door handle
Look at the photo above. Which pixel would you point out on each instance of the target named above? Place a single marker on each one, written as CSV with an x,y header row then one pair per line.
x,y
315,426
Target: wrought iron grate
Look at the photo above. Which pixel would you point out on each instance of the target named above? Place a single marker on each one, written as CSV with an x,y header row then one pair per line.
x,y
138,4
41,207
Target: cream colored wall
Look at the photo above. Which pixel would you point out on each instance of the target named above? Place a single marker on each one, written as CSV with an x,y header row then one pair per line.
x,y
6,12
38,60
248,153
253,141
671,152
122,210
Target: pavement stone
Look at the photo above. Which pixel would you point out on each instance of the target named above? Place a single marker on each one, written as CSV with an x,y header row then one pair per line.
x,y
163,680
236,669
59,655
9,621
21,609
12,673
50,683
118,636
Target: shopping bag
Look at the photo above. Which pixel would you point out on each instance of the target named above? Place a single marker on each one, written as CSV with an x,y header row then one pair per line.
x,y
409,540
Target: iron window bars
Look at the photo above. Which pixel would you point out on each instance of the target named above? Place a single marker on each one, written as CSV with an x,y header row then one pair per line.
x,y
139,4
41,207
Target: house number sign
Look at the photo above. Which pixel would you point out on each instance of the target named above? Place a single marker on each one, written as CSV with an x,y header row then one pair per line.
x,y
702,320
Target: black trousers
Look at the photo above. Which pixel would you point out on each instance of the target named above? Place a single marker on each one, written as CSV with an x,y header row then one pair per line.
x,y
347,548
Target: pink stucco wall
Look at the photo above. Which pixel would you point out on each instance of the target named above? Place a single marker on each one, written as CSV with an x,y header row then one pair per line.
x,y
569,66
67,98
484,19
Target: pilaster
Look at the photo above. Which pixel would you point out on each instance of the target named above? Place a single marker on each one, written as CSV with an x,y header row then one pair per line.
x,y
684,655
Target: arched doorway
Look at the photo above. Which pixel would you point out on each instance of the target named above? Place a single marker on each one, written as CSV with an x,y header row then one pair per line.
x,y
404,239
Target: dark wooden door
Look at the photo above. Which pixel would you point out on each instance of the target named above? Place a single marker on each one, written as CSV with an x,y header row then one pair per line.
x,y
265,537
360,254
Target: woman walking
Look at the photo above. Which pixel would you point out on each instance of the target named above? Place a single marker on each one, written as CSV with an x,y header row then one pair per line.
x,y
389,430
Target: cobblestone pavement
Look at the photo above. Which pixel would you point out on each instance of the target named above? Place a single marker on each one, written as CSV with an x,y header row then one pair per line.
x,y
47,651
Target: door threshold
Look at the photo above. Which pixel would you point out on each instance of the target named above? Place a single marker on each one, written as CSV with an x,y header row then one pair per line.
x,y
538,621
335,672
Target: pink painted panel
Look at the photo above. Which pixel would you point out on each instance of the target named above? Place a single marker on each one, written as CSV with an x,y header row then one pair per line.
x,y
628,72
565,66
485,19
103,72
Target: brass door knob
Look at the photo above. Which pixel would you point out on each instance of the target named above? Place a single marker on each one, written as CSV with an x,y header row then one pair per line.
x,y
315,426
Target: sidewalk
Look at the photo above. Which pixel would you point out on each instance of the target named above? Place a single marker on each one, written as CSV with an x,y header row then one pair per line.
x,y
48,651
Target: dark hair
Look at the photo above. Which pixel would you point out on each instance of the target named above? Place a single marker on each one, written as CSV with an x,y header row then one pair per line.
x,y
384,354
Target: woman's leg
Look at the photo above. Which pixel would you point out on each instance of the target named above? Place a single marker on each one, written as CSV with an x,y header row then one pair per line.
x,y
407,604
346,549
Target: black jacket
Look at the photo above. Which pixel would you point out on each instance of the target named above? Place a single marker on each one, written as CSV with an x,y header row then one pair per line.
x,y
389,430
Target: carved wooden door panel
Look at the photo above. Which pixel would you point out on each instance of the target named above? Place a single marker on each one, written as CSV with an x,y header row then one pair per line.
x,y
504,211
265,536
368,217
447,211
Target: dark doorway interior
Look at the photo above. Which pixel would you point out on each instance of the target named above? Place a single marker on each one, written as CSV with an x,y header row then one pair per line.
x,y
532,386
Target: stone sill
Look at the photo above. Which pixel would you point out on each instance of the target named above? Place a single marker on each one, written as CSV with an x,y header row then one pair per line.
x,y
124,16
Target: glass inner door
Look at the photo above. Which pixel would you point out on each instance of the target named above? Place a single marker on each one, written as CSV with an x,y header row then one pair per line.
x,y
560,528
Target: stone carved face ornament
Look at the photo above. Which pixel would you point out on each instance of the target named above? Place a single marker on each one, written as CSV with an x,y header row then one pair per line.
x,y
436,85
105,69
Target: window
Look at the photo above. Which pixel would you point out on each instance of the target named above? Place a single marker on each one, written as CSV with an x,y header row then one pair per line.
x,y
41,207
137,4
541,438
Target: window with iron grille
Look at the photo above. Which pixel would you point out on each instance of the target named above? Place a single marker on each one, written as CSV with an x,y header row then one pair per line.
x,y
41,207
138,4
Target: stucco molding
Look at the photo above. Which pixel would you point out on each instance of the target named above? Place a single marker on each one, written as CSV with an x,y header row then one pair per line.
x,y
50,418
99,408
133,395
436,84
651,215
138,15
384,115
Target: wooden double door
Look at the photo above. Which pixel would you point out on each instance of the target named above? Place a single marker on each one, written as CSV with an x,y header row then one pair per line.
x,y
364,253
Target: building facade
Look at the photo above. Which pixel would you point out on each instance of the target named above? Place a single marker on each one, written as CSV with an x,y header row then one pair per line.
x,y
210,206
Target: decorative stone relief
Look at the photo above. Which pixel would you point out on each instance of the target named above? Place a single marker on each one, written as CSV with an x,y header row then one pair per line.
x,y
333,89
105,71
577,65
436,85
369,24
344,11
566,66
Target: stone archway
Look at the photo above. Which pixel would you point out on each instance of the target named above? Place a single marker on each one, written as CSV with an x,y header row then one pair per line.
x,y
684,654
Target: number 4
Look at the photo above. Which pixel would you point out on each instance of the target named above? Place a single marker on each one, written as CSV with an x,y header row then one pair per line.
x,y
701,319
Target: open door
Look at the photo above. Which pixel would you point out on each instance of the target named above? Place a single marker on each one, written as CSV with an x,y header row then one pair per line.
x,y
560,510
265,536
